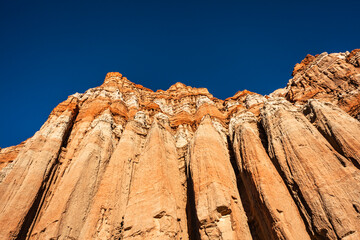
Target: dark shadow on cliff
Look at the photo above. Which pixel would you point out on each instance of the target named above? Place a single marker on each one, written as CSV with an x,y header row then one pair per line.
x,y
192,218
254,225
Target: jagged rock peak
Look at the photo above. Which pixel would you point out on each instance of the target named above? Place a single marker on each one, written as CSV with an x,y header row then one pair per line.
x,y
114,76
118,78
182,87
177,86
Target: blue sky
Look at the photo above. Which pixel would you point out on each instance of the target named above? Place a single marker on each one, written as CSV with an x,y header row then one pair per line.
x,y
52,49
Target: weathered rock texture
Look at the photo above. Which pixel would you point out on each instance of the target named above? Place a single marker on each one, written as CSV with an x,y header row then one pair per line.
x,y
332,78
123,162
270,200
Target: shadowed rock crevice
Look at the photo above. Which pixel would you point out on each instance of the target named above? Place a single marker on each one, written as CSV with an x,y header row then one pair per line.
x,y
312,118
339,129
254,224
323,187
32,215
264,141
218,204
259,219
270,202
336,146
292,188
192,219
263,137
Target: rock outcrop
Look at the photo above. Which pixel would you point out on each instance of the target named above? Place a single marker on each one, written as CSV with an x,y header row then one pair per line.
x,y
341,130
121,161
332,78
324,184
218,205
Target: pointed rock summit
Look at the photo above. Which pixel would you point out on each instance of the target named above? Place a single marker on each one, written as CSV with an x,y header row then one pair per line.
x,y
121,161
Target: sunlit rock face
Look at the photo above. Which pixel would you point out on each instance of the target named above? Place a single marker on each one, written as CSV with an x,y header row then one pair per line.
x,y
121,161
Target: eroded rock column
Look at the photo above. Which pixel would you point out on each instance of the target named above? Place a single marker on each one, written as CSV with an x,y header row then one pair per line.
x,y
157,200
270,200
105,220
218,205
22,189
324,184
64,216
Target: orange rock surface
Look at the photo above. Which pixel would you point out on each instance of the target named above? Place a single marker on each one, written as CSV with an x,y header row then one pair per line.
x,y
121,161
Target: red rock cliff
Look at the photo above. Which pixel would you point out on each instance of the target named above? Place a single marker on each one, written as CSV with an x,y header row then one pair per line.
x,y
123,162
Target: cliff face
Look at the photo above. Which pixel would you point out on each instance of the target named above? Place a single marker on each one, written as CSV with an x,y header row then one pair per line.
x,y
123,162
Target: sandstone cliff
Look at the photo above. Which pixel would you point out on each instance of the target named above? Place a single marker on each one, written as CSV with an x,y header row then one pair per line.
x,y
123,162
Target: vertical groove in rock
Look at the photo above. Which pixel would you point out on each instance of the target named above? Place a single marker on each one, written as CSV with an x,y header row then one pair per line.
x,y
192,219
32,215
34,168
73,195
26,230
183,136
323,183
303,214
157,202
105,219
340,129
218,204
254,224
273,210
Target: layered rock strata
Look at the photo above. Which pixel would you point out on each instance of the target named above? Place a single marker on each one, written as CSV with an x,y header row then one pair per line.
x,y
331,77
123,162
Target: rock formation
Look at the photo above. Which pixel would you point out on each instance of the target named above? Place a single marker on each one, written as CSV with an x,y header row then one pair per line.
x,y
123,162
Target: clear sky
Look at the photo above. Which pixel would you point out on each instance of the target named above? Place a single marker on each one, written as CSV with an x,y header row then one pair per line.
x,y
52,49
